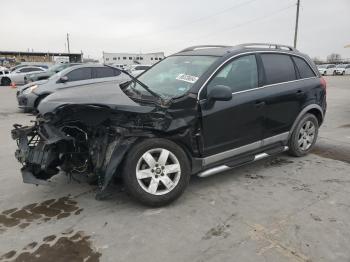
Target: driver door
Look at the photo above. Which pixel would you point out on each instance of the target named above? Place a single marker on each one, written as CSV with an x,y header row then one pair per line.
x,y
234,124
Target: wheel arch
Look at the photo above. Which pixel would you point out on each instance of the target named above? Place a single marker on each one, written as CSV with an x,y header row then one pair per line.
x,y
314,109
39,98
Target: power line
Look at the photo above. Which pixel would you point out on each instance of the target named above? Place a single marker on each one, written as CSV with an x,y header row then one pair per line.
x,y
247,22
176,27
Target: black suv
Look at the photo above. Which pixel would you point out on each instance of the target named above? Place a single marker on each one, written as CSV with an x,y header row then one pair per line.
x,y
201,111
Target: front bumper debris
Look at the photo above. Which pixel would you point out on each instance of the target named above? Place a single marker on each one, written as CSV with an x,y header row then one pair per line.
x,y
36,152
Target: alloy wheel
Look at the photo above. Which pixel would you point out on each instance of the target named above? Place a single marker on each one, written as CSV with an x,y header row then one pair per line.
x,y
306,135
158,171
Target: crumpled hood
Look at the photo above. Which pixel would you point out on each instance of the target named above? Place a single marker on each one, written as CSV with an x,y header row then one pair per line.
x,y
105,93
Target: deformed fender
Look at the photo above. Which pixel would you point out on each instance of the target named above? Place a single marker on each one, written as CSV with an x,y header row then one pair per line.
x,y
116,158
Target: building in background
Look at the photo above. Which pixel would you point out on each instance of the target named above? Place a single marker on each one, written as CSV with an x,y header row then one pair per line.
x,y
11,58
127,59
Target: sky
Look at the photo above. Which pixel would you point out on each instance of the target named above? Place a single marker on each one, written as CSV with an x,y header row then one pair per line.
x,y
171,25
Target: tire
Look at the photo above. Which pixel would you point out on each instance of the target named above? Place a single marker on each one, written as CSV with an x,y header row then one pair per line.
x,y
156,188
5,81
304,136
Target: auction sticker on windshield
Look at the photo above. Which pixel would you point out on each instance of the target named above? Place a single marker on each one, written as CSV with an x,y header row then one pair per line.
x,y
187,78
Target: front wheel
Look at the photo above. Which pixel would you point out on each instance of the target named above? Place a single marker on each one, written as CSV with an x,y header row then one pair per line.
x,y
156,172
304,136
5,81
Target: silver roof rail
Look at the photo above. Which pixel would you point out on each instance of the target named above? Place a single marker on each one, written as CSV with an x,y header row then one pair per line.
x,y
268,45
192,48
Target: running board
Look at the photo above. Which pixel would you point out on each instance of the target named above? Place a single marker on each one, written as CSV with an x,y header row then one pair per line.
x,y
222,168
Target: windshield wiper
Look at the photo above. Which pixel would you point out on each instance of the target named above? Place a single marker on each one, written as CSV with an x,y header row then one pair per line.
x,y
137,81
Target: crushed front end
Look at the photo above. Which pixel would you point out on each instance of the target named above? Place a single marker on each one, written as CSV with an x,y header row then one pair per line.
x,y
73,147
90,141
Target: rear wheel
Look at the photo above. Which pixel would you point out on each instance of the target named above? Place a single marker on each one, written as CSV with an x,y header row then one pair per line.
x,y
5,81
304,136
156,172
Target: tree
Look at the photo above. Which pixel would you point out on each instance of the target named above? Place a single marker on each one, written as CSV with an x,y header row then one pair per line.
x,y
317,60
333,58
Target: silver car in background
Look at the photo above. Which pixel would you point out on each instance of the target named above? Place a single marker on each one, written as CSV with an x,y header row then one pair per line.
x,y
30,95
18,76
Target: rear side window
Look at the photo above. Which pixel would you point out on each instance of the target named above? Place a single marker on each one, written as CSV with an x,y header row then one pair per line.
x,y
101,72
278,68
304,69
240,74
79,74
141,67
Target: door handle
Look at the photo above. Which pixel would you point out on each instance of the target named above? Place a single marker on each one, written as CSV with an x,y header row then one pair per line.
x,y
299,92
259,103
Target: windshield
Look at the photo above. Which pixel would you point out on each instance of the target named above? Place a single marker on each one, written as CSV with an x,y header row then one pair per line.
x,y
173,76
340,66
322,66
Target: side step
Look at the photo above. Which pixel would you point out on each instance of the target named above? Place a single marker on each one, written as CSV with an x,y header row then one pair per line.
x,y
222,168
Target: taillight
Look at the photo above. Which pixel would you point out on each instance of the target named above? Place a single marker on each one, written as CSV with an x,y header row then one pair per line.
x,y
324,83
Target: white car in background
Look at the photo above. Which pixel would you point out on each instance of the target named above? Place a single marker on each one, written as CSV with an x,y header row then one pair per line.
x,y
3,72
343,69
136,70
326,69
18,76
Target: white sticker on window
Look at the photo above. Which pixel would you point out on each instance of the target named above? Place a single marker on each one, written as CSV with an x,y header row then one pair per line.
x,y
187,78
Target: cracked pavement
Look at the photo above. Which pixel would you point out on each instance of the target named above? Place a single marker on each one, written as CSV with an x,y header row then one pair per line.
x,y
278,209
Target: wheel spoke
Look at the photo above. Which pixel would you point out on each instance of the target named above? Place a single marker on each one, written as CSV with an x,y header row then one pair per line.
x,y
145,173
163,157
153,186
149,159
172,168
167,181
307,125
311,130
310,139
305,145
300,142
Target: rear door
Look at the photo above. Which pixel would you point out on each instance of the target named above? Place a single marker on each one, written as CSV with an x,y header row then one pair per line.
x,y
104,74
236,123
286,93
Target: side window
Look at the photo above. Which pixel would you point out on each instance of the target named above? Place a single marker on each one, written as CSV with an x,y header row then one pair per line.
x,y
101,72
278,68
240,74
79,74
304,69
348,66
25,70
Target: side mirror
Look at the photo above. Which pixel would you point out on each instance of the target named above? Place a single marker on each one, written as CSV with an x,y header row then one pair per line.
x,y
220,93
63,79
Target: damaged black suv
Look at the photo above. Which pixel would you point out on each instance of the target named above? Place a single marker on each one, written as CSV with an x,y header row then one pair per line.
x,y
201,111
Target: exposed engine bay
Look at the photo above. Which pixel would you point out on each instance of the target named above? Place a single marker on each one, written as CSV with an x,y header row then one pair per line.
x,y
90,139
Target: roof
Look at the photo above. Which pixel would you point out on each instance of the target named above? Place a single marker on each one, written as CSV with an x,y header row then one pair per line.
x,y
221,50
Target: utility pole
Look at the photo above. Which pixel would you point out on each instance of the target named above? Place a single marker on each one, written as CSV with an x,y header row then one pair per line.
x,y
296,25
68,43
